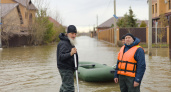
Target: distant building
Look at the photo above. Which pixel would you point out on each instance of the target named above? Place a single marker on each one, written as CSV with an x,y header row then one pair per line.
x,y
110,22
56,23
160,7
10,18
107,24
17,16
26,10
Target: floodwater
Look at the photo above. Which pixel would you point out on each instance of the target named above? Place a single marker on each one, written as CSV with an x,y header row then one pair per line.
x,y
34,69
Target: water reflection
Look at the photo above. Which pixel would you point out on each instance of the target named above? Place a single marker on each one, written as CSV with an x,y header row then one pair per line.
x,y
158,74
0,54
33,69
163,52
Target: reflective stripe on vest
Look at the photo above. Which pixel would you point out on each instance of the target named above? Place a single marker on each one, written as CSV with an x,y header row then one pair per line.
x,y
127,64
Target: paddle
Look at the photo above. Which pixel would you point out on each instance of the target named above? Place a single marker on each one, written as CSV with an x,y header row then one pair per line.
x,y
75,59
91,65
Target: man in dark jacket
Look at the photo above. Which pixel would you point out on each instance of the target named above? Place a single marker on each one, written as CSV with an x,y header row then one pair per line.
x,y
130,65
65,58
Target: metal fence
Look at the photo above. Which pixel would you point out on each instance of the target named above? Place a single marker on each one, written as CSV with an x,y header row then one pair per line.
x,y
141,33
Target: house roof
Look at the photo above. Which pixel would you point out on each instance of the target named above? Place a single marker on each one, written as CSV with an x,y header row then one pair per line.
x,y
56,23
6,8
166,14
109,22
25,3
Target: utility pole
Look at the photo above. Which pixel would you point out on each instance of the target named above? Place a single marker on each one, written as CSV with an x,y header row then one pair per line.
x,y
0,25
97,21
156,33
150,28
115,33
170,37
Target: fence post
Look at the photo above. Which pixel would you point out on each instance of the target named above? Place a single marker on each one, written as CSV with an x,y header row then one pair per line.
x,y
167,34
170,36
146,35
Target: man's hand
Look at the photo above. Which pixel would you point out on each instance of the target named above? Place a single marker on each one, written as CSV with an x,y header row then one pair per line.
x,y
73,51
136,84
116,80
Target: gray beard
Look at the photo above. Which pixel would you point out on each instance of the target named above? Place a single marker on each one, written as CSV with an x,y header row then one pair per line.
x,y
129,43
73,42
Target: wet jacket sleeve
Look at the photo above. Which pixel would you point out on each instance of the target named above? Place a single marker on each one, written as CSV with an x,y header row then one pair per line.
x,y
64,53
116,75
141,65
116,70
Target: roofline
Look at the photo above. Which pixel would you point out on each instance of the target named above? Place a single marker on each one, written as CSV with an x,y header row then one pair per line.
x,y
119,17
25,6
166,14
102,27
11,9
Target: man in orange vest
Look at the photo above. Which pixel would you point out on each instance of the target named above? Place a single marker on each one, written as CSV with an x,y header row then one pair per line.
x,y
130,65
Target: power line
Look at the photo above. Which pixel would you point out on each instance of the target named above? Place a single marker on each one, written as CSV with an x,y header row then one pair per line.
x,y
105,11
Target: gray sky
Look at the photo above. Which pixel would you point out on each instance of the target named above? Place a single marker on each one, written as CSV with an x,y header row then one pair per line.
x,y
83,13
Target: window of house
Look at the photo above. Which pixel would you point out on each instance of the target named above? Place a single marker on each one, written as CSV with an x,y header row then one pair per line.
x,y
156,8
153,9
169,4
30,18
26,15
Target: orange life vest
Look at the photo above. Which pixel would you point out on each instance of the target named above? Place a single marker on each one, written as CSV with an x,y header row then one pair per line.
x,y
127,64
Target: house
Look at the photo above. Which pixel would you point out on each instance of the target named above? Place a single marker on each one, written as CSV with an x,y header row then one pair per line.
x,y
17,16
160,7
56,23
107,24
27,10
110,22
11,18
11,24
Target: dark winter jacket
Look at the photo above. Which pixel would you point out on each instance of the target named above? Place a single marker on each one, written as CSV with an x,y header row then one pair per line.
x,y
64,59
140,58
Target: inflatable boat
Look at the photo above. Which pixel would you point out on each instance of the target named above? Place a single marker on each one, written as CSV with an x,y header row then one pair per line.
x,y
95,72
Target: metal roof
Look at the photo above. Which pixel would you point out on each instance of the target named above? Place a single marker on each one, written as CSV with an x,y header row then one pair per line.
x,y
25,3
6,8
109,22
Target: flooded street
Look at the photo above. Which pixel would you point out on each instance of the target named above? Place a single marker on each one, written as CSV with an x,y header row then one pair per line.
x,y
34,69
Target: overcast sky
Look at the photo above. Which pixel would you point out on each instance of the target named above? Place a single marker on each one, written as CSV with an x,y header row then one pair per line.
x,y
83,13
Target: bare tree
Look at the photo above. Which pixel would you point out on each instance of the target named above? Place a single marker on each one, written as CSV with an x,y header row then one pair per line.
x,y
163,22
10,27
38,28
42,4
59,29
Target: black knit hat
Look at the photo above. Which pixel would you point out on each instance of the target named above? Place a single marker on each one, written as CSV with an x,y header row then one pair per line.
x,y
123,37
129,34
71,29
